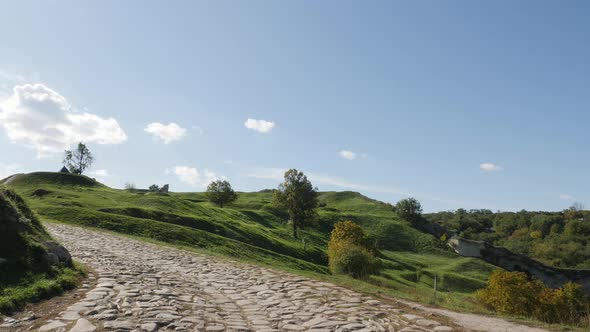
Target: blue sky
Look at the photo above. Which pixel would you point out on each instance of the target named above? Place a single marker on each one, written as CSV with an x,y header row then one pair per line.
x,y
458,103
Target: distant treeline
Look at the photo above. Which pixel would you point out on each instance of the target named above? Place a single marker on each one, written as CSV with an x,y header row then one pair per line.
x,y
559,239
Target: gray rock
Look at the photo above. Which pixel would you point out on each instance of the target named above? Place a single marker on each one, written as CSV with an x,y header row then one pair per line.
x,y
149,327
57,253
53,325
119,325
83,325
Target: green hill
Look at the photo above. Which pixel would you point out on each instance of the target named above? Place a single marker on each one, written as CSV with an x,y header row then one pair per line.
x,y
252,229
32,265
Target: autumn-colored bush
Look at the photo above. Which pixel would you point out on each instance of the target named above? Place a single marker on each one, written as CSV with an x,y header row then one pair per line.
x,y
349,252
510,293
567,304
515,293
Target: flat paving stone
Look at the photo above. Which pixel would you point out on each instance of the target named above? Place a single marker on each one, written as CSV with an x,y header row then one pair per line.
x,y
83,325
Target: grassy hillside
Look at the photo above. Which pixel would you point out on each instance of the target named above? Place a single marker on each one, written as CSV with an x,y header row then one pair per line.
x,y
252,229
29,271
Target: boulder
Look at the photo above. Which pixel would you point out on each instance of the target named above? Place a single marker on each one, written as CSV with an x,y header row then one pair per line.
x,y
57,254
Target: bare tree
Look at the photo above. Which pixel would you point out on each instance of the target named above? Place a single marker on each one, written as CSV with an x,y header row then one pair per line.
x,y
577,206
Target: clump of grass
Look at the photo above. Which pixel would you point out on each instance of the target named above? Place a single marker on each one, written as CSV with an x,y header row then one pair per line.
x,y
39,287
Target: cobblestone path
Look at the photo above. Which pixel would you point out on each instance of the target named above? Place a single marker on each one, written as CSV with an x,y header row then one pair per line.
x,y
137,286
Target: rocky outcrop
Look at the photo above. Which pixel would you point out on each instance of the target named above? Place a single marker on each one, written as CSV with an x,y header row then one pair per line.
x,y
165,189
551,276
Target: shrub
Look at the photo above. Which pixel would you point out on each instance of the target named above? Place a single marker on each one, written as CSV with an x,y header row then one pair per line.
x,y
349,251
510,293
347,231
514,293
567,304
353,260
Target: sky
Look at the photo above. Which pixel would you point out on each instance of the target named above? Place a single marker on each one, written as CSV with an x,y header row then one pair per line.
x,y
460,104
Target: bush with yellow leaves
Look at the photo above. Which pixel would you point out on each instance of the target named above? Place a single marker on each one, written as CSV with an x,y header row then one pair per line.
x,y
349,251
515,294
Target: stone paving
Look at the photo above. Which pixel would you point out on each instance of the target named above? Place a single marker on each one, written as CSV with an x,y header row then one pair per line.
x,y
144,287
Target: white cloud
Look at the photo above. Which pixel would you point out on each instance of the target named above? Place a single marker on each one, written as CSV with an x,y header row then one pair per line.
x,y
102,173
40,118
193,176
167,133
347,154
489,167
261,126
567,197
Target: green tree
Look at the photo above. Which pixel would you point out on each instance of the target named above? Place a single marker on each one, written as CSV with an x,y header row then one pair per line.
x,y
154,188
409,209
299,197
78,160
221,193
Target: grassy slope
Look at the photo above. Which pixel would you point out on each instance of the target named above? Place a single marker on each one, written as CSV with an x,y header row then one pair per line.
x,y
25,272
253,230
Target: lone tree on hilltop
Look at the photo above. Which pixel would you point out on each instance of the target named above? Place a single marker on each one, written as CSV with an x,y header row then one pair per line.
x,y
409,209
299,197
78,160
221,193
154,188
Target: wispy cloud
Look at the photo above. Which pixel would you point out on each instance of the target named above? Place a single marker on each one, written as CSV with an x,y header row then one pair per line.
x,y
567,197
167,133
333,181
261,126
490,167
315,178
8,77
7,170
198,129
101,173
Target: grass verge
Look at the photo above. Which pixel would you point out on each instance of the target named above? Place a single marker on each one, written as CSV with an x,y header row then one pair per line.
x,y
40,287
